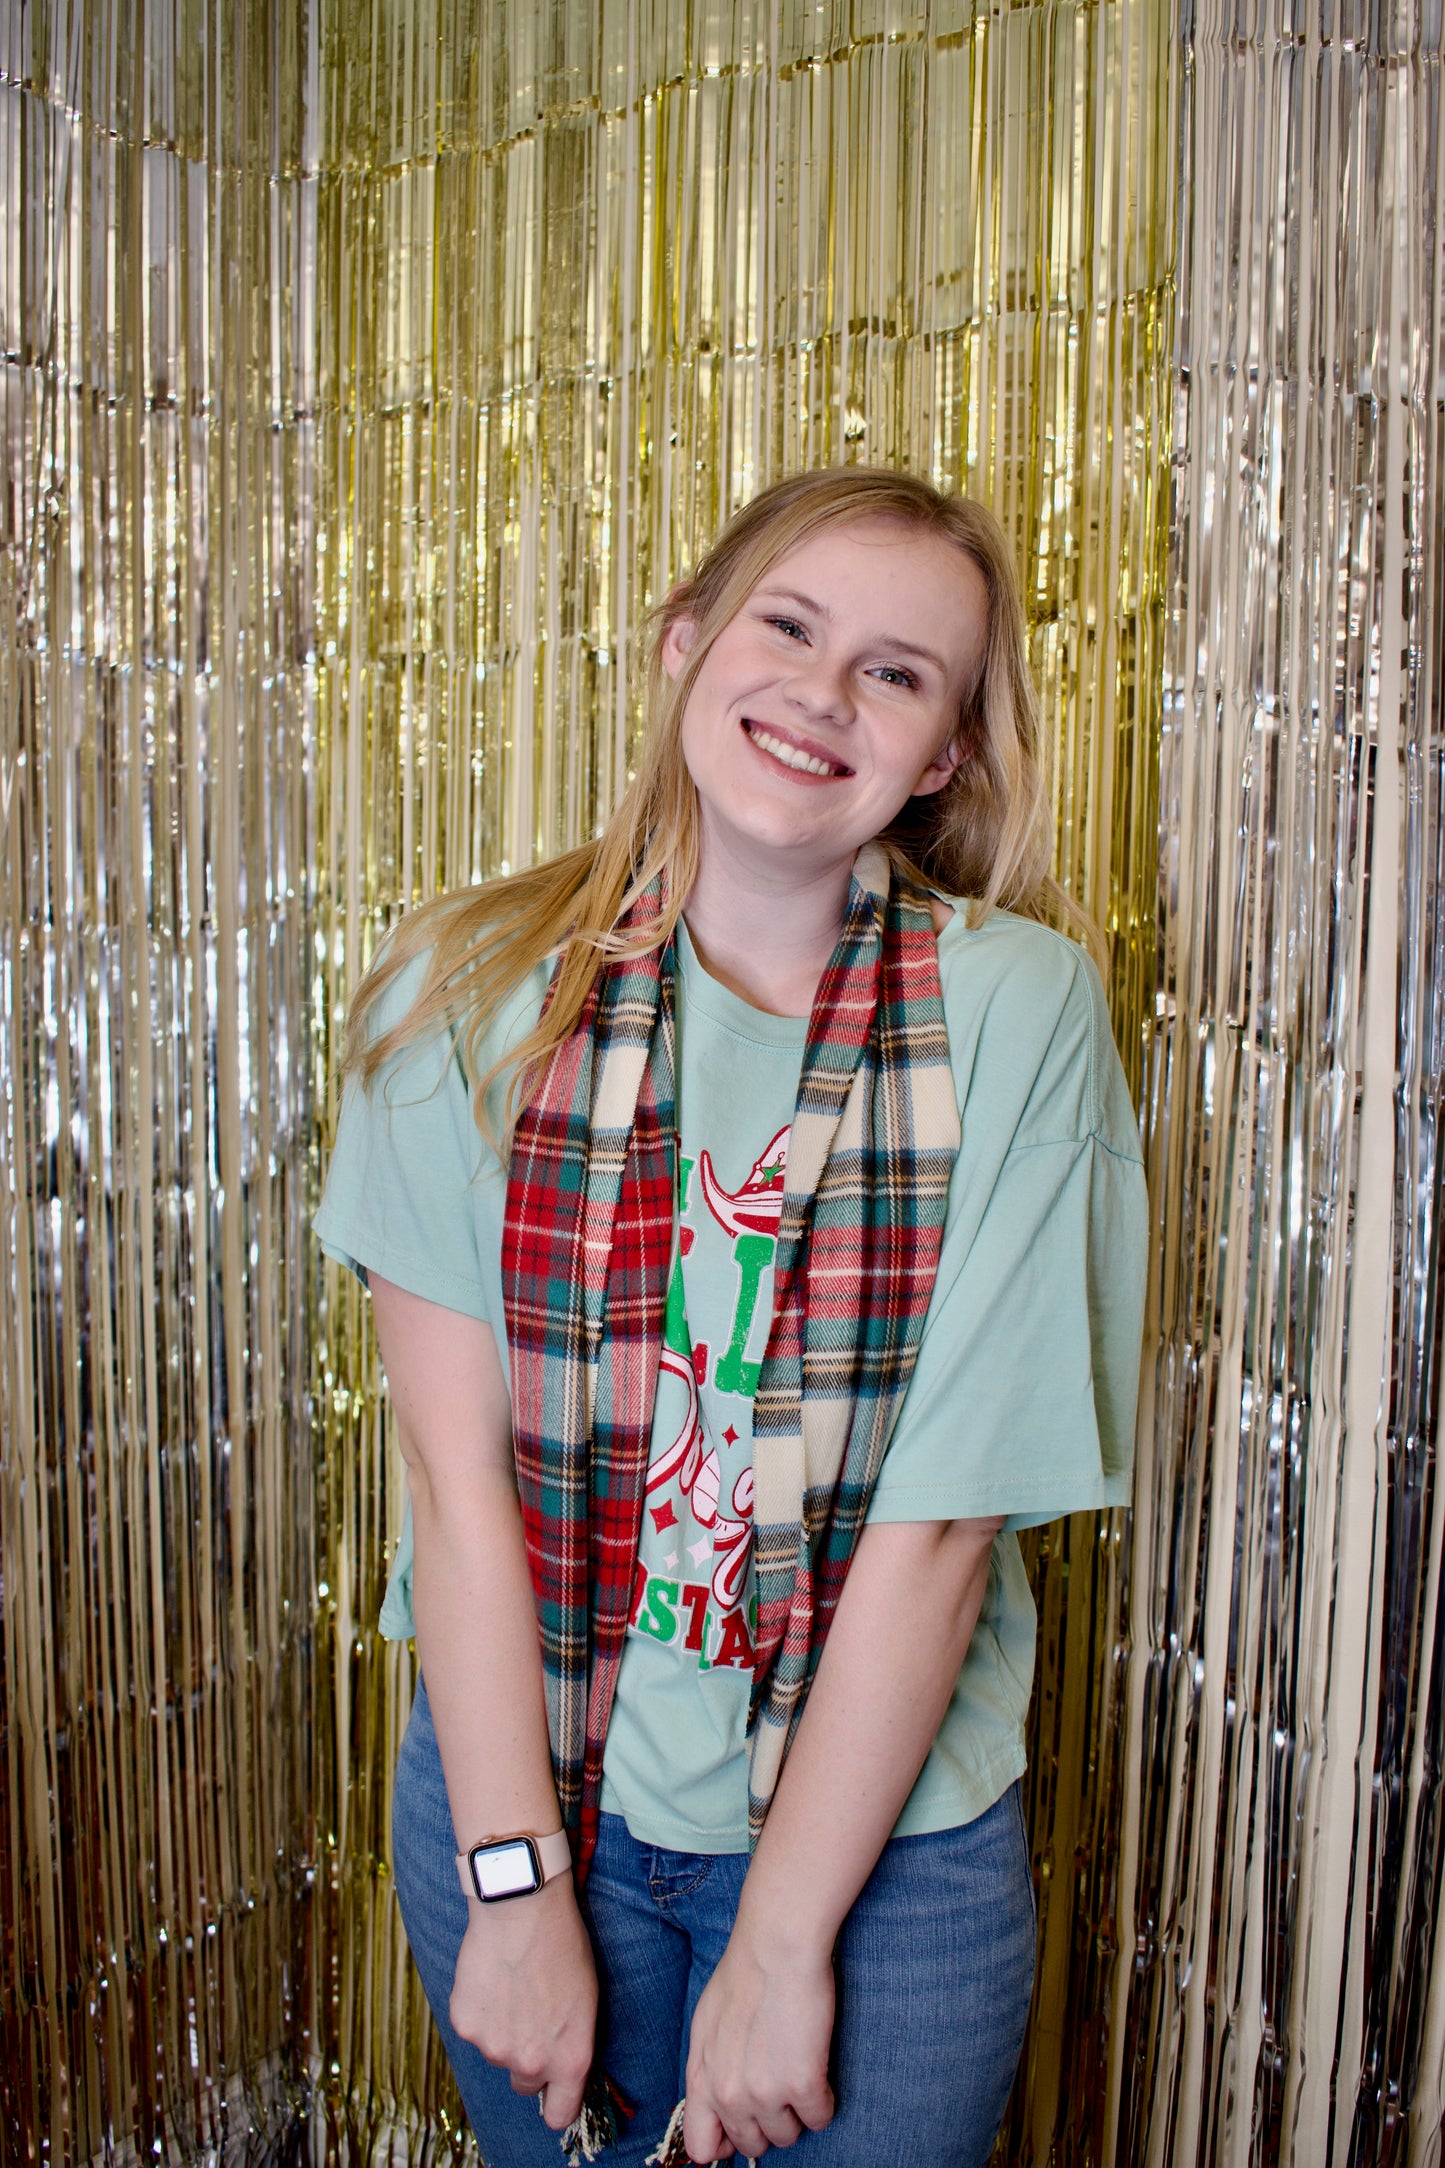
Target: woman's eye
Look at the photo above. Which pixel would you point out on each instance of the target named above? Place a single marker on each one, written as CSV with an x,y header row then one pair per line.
x,y
789,626
893,673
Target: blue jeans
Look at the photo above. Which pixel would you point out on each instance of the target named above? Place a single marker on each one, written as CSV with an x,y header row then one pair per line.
x,y
935,1969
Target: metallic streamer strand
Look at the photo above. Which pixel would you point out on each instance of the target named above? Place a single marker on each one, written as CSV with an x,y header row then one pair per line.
x,y
368,374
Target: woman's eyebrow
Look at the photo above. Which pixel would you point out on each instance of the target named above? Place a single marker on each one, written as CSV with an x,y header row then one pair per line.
x,y
908,647
888,640
790,594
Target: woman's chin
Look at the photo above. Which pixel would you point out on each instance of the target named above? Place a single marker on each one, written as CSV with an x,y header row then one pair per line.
x,y
804,843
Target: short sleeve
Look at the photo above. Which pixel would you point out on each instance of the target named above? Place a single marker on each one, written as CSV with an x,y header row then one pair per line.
x,y
410,1177
1023,1399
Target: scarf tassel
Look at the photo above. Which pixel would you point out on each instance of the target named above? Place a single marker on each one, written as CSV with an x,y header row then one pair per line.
x,y
672,2153
598,2125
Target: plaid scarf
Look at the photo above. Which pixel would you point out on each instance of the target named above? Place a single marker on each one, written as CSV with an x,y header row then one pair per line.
x,y
586,1252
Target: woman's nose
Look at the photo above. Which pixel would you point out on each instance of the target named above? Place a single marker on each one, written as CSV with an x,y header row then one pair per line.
x,y
822,686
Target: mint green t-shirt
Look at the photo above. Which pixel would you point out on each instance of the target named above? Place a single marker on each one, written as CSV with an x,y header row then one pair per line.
x,y
1021,1403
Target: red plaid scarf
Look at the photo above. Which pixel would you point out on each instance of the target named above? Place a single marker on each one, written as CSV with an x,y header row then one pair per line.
x,y
586,1252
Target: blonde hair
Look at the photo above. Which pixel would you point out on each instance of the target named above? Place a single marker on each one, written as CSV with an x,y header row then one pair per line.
x,y
985,836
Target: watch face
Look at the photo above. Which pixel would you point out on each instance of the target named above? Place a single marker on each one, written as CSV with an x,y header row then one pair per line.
x,y
508,1869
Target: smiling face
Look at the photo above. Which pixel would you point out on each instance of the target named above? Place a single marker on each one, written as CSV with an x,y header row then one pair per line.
x,y
833,696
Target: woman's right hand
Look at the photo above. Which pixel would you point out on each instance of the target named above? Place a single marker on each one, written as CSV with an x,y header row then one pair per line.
x,y
525,1993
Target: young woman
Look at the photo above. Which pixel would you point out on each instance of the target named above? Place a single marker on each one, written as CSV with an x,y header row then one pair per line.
x,y
753,1217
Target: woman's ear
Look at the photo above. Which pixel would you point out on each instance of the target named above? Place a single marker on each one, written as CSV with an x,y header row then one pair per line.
x,y
942,768
677,643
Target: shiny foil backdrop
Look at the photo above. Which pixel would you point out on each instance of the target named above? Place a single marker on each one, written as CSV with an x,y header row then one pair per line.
x,y
1282,1991
368,372
593,274
158,1066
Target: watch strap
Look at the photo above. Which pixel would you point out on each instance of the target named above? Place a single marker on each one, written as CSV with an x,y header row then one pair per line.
x,y
554,1856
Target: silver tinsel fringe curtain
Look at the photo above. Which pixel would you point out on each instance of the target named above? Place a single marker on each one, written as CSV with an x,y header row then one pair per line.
x,y
368,372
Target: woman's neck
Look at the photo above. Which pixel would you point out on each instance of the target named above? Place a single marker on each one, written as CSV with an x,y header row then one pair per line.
x,y
768,941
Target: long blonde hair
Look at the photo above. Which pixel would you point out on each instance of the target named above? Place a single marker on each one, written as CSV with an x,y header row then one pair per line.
x,y
984,836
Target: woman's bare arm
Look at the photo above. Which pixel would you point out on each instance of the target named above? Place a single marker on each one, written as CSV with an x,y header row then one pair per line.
x,y
525,1989
758,2061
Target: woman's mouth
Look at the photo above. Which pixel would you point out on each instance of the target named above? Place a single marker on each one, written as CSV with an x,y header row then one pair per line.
x,y
801,759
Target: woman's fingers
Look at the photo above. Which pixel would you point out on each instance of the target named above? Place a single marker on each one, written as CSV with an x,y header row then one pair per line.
x,y
525,1994
813,2105
702,2133
749,2130
715,2126
561,2100
780,2127
558,2092
709,2136
757,2070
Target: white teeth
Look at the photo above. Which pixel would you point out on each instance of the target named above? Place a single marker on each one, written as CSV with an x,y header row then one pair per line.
x,y
792,756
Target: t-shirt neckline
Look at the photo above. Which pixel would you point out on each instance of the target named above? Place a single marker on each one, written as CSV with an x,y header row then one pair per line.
x,y
709,997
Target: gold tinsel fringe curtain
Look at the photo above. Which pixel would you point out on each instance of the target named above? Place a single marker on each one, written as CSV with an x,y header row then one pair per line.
x,y
1280,1838
158,720
368,372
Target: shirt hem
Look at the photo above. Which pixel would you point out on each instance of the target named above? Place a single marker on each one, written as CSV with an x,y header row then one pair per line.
x,y
932,1502
652,1828
940,1808
432,1283
395,1625
943,1806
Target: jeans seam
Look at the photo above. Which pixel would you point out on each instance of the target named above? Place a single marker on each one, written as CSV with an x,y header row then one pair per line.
x,y
663,1889
1028,1855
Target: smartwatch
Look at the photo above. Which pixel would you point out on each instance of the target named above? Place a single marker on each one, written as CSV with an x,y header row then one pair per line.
x,y
513,1866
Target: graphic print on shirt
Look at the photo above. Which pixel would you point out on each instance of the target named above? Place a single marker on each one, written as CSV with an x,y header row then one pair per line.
x,y
694,1581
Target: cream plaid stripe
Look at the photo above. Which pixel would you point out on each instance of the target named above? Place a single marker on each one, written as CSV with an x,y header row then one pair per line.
x,y
869,1163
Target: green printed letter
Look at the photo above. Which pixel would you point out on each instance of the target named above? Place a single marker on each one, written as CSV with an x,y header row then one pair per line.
x,y
659,1618
753,1253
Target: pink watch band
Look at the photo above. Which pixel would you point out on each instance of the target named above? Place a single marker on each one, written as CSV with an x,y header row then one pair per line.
x,y
553,1856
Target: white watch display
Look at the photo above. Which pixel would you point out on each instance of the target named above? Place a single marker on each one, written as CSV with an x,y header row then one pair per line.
x,y
513,1866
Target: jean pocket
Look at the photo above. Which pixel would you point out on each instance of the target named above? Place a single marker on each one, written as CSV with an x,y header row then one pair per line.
x,y
671,1875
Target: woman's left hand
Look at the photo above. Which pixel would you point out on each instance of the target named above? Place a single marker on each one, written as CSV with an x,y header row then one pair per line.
x,y
757,2065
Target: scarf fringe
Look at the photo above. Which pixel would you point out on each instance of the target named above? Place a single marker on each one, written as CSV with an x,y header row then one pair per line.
x,y
597,2127
672,2153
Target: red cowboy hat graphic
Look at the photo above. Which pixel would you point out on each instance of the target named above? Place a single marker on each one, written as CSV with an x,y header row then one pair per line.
x,y
757,1207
